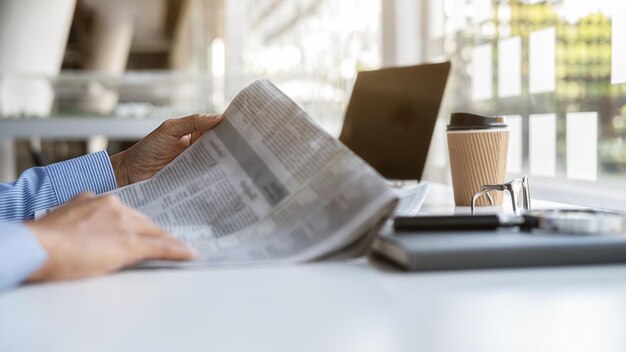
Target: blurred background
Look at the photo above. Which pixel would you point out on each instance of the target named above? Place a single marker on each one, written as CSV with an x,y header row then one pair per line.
x,y
82,75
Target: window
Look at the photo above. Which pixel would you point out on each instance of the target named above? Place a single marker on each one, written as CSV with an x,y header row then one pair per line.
x,y
312,49
559,68
556,68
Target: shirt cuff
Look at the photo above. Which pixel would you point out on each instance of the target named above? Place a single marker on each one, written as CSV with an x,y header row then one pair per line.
x,y
90,173
20,254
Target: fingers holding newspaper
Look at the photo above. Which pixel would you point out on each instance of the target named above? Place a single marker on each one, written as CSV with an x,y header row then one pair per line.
x,y
91,235
267,185
160,147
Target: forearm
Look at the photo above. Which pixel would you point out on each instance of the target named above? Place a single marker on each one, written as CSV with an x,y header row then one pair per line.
x,y
47,187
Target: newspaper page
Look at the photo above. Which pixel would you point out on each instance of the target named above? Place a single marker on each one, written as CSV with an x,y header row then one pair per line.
x,y
266,185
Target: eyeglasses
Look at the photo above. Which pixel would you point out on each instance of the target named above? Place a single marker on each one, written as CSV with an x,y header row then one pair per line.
x,y
518,190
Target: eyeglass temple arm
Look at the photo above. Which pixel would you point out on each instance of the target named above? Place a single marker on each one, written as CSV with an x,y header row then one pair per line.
x,y
484,191
526,193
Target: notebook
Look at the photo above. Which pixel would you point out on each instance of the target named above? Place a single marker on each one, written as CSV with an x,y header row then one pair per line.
x,y
496,249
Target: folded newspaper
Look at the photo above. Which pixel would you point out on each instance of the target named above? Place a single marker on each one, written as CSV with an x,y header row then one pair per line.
x,y
267,185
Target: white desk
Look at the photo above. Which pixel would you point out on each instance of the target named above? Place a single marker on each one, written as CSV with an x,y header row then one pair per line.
x,y
347,306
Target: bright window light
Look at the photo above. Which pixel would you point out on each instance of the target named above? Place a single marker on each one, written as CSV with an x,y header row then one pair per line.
x,y
436,17
482,10
218,57
542,145
510,67
218,70
618,66
582,146
455,11
542,61
561,66
482,72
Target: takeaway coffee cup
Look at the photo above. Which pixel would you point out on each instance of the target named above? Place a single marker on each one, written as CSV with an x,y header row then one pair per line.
x,y
478,148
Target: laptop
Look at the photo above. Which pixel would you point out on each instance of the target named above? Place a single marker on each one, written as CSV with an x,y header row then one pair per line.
x,y
391,117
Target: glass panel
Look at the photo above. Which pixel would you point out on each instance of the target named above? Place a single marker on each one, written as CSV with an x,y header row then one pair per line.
x,y
482,11
618,74
572,58
510,67
542,59
482,87
542,144
455,15
311,49
582,146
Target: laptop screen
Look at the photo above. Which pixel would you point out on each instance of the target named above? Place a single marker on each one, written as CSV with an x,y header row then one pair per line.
x,y
391,117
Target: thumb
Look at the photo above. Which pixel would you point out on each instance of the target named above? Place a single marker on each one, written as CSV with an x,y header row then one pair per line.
x,y
189,124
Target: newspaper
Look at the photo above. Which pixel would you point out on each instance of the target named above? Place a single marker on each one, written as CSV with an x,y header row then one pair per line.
x,y
266,185
411,200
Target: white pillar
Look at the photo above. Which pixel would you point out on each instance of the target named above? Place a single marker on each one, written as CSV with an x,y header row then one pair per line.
x,y
111,42
403,32
33,37
233,37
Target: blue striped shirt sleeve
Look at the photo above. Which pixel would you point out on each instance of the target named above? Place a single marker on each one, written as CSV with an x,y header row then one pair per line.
x,y
20,254
37,189
42,188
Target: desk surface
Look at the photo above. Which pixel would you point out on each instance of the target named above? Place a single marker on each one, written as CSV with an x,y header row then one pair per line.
x,y
348,306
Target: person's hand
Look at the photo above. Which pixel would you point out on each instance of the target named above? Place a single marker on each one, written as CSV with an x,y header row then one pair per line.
x,y
92,235
160,147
